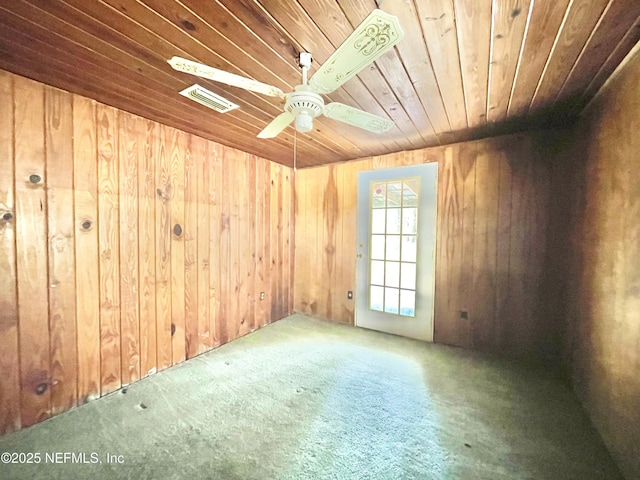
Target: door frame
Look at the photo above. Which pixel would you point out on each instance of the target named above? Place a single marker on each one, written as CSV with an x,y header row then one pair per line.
x,y
422,325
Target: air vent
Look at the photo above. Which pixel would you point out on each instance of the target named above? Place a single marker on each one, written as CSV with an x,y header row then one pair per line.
x,y
208,98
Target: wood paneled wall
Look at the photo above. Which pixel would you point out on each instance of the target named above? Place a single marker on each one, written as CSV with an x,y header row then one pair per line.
x,y
125,247
596,234
493,201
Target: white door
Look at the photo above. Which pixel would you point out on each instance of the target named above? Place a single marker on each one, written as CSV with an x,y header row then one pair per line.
x,y
396,250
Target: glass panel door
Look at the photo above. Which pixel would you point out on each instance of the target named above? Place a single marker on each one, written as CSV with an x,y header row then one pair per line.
x,y
395,252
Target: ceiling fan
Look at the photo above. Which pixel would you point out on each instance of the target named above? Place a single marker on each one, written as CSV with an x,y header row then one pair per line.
x,y
377,34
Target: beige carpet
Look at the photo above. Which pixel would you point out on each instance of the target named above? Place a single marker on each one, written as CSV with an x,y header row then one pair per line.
x,y
307,399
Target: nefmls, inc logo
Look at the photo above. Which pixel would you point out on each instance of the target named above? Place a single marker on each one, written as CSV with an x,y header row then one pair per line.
x,y
72,457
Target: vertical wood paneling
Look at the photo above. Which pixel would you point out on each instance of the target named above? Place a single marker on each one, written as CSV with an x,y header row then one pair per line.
x,y
233,314
482,211
483,287
449,245
131,148
62,269
242,296
286,235
318,278
206,297
302,284
282,247
538,228
281,223
349,233
177,152
98,287
109,249
214,195
85,180
31,244
163,229
338,296
222,175
9,357
147,248
468,155
503,242
521,209
260,261
266,249
250,255
291,188
468,174
596,241
197,148
273,244
329,211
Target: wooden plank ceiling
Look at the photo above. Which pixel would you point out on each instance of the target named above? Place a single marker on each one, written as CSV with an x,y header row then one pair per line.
x,y
466,68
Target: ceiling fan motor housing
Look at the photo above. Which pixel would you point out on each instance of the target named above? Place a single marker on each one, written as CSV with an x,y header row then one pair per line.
x,y
304,105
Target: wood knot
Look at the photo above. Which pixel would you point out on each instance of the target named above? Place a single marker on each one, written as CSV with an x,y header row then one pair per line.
x,y
41,388
188,25
163,195
7,216
177,230
173,329
86,225
35,178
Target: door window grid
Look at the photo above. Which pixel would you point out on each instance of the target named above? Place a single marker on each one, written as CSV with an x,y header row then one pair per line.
x,y
393,245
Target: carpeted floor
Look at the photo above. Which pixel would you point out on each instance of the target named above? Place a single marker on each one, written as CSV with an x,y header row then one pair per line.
x,y
304,399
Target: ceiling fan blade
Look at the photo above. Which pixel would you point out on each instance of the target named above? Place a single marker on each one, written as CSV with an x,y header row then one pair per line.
x,y
204,71
357,118
277,125
377,33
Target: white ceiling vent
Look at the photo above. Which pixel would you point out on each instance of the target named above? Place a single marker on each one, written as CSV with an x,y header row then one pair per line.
x,y
208,98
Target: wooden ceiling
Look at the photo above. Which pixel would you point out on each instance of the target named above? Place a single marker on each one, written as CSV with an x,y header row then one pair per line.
x,y
465,69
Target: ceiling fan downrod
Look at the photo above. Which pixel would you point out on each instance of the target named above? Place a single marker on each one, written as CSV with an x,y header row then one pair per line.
x,y
304,61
